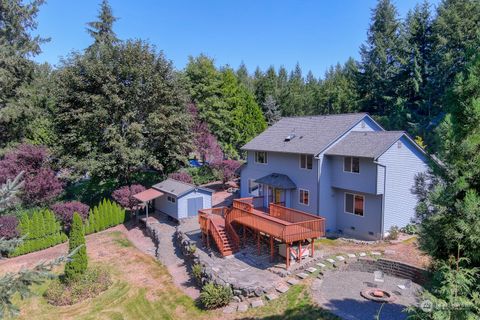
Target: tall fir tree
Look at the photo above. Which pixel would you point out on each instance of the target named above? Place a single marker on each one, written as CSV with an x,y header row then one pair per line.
x,y
102,29
271,110
79,261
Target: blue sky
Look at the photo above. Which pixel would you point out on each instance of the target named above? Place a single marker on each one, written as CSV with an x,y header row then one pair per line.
x,y
261,33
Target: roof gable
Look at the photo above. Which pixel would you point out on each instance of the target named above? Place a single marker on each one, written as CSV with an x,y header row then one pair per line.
x,y
177,188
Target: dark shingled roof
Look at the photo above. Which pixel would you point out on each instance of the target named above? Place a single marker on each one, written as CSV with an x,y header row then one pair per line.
x,y
177,188
312,134
365,144
277,180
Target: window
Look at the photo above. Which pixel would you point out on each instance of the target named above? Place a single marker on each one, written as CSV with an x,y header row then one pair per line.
x,y
255,189
354,204
171,199
260,157
306,161
304,196
351,164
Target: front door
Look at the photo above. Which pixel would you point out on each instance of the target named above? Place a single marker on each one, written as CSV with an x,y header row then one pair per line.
x,y
279,196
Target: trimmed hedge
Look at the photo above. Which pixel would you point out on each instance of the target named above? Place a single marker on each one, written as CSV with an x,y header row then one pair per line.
x,y
41,231
103,216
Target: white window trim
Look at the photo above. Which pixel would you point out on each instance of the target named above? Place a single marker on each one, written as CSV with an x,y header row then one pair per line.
x,y
255,157
351,164
300,161
171,199
300,198
260,187
345,204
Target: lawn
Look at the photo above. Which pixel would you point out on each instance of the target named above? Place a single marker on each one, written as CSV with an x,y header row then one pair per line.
x,y
143,289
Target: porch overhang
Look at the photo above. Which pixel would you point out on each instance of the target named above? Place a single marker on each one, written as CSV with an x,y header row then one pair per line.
x,y
277,180
148,195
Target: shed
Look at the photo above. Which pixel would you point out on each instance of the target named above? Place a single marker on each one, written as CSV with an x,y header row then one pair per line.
x,y
181,200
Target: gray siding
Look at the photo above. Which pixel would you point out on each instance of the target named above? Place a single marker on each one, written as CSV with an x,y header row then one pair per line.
x,y
288,164
380,179
163,205
364,181
183,201
402,165
367,227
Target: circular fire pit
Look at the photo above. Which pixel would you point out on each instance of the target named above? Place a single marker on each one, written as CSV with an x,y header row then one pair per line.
x,y
377,295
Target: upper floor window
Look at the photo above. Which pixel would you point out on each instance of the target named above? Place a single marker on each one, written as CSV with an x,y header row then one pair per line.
x,y
351,164
304,196
171,199
354,204
306,161
260,157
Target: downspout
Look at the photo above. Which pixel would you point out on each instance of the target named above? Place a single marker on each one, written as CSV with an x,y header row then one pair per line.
x,y
383,196
318,183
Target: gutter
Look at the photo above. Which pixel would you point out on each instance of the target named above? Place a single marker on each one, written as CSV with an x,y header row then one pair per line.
x,y
383,197
318,183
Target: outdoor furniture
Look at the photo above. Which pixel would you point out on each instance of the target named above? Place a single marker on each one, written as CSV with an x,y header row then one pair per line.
x,y
378,276
406,285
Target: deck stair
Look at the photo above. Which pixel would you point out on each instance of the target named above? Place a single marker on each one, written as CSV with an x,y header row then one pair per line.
x,y
213,226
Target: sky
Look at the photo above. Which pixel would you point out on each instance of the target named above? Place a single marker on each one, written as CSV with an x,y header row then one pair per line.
x,y
316,34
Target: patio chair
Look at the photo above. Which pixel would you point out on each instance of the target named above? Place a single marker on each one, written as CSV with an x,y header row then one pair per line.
x,y
406,285
378,276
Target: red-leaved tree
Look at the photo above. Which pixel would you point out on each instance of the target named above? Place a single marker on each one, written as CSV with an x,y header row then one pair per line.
x,y
8,227
41,184
124,195
181,176
65,210
206,144
228,169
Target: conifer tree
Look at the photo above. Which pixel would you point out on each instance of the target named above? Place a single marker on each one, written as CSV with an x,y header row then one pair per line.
x,y
271,110
102,29
78,265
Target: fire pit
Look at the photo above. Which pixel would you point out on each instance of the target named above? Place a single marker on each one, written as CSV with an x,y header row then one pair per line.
x,y
377,295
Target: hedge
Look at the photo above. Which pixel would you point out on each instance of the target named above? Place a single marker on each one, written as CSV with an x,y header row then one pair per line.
x,y
40,231
103,216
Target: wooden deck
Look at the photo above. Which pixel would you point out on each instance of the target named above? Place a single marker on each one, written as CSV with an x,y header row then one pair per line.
x,y
279,223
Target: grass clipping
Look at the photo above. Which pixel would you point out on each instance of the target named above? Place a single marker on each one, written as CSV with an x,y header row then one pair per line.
x,y
94,281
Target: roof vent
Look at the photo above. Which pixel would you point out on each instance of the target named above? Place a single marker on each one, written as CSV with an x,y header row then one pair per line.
x,y
290,137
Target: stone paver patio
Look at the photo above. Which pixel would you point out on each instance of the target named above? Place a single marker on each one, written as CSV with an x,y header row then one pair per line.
x,y
339,292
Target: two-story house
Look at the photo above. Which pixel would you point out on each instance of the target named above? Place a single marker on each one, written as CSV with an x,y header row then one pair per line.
x,y
346,168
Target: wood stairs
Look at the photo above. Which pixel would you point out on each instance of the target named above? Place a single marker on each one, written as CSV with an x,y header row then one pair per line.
x,y
229,246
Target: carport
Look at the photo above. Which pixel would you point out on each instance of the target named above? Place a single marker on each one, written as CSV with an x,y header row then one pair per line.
x,y
146,196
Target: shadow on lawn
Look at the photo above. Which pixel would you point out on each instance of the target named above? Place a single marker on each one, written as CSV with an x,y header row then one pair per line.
x,y
302,312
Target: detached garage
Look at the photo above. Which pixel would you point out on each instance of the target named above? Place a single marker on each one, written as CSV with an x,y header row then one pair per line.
x,y
181,200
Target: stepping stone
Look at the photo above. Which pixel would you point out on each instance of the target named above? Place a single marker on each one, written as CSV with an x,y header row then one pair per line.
x,y
292,281
311,269
389,252
271,296
362,254
229,309
340,258
302,275
321,265
351,255
257,303
282,288
331,260
242,307
375,253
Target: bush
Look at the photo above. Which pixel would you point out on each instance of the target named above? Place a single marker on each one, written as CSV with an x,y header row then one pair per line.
x,y
410,228
393,233
41,231
124,195
65,210
197,272
203,175
182,176
105,215
90,284
77,266
8,227
215,296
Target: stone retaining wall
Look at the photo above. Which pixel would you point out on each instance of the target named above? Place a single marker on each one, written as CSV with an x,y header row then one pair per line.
x,y
391,267
153,233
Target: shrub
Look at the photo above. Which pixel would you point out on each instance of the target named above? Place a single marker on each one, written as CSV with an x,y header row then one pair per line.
x,y
393,233
182,176
410,228
203,175
41,230
105,215
228,169
124,195
197,272
8,227
90,284
215,296
65,210
76,267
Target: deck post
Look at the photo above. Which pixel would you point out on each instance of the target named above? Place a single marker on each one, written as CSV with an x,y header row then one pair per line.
x,y
271,247
258,242
287,247
313,247
244,236
299,256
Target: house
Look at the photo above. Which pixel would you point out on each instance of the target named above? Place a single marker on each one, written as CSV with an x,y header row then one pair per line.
x,y
177,199
346,168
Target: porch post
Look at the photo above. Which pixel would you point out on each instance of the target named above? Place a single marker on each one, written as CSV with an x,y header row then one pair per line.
x,y
271,247
299,251
287,247
258,242
313,247
244,236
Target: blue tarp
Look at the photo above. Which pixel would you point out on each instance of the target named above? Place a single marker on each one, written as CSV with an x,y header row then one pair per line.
x,y
194,163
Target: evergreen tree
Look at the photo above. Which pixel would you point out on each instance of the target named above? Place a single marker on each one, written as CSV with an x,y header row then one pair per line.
x,y
244,78
78,265
294,102
102,29
271,110
17,46
380,60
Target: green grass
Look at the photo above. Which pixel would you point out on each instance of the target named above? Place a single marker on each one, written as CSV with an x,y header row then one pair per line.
x,y
325,242
410,240
119,239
